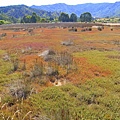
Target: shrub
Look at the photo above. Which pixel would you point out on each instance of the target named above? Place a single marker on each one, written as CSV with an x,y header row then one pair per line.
x,y
73,29
100,28
15,65
19,89
83,30
37,70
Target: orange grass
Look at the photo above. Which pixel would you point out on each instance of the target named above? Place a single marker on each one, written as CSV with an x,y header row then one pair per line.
x,y
46,38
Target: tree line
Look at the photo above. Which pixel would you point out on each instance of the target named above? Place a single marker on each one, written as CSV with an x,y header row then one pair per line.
x,y
30,18
64,17
34,18
85,17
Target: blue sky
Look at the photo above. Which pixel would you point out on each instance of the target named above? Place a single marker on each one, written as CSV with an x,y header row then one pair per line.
x,y
45,2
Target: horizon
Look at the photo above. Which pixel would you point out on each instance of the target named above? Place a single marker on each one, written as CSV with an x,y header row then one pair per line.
x,y
38,3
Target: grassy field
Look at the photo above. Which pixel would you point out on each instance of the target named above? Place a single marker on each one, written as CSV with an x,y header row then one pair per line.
x,y
77,78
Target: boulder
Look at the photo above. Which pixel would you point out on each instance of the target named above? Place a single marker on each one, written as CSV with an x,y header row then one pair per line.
x,y
47,55
67,43
47,52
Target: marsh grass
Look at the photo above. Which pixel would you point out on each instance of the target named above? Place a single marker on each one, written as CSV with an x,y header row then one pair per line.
x,y
97,98
100,58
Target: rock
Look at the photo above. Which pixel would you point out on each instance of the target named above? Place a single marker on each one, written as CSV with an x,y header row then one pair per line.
x,y
47,55
6,57
47,52
67,43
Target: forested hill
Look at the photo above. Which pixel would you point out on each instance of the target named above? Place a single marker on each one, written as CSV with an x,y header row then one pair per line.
x,y
14,13
97,10
18,11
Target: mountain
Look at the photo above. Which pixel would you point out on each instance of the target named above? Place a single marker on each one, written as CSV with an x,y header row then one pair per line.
x,y
18,11
97,10
14,12
7,18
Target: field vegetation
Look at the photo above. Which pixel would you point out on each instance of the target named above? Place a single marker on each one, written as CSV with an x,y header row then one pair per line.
x,y
60,71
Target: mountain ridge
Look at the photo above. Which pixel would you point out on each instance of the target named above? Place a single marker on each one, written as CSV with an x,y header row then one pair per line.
x,y
18,11
96,9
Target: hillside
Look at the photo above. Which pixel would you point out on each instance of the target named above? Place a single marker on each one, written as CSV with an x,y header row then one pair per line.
x,y
15,12
97,10
18,11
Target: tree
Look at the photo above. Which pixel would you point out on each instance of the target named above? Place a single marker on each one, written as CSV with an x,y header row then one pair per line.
x,y
73,17
30,19
64,17
43,20
51,19
86,17
1,22
14,20
21,21
26,19
34,18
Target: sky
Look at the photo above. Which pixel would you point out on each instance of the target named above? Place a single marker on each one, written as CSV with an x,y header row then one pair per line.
x,y
46,2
